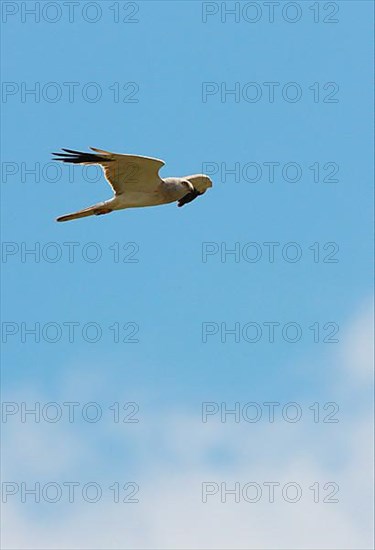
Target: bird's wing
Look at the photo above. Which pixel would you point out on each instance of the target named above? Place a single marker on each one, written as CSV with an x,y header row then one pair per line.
x,y
123,172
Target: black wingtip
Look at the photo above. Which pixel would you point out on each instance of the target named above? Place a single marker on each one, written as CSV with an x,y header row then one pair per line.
x,y
77,157
72,151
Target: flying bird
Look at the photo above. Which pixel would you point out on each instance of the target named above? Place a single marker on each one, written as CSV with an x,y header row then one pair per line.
x,y
135,182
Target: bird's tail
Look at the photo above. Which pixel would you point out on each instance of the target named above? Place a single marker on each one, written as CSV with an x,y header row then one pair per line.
x,y
96,210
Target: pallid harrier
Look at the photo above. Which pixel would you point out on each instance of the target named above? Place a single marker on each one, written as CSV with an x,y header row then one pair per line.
x,y
135,182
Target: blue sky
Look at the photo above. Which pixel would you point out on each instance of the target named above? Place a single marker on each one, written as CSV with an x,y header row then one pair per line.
x,y
168,55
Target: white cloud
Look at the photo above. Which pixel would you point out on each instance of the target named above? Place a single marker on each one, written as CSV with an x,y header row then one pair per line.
x,y
177,453
358,356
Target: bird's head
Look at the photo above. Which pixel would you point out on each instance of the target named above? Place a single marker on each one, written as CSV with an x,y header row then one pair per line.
x,y
200,182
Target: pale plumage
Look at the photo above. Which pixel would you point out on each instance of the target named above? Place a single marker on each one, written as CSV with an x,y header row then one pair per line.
x,y
135,182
